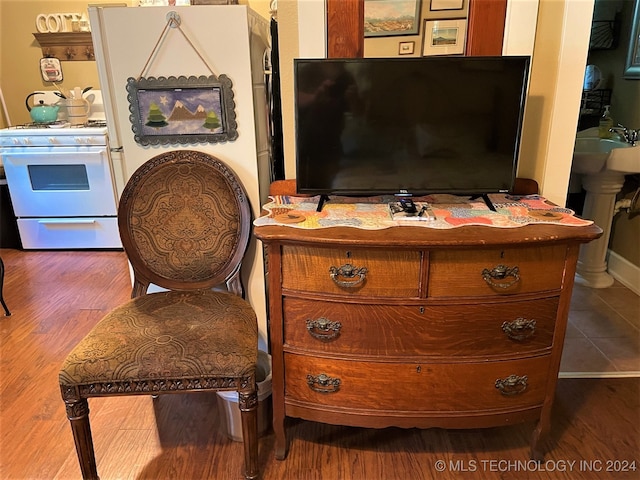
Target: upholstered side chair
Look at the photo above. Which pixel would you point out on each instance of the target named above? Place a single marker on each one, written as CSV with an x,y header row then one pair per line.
x,y
184,219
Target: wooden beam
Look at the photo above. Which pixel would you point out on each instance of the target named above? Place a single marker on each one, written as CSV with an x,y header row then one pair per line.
x,y
345,28
485,30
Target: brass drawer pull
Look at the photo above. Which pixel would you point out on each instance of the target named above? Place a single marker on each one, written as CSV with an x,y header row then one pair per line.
x,y
355,275
323,329
323,383
519,329
501,272
512,385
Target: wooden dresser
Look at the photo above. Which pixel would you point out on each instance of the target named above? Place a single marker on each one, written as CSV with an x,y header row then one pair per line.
x,y
418,327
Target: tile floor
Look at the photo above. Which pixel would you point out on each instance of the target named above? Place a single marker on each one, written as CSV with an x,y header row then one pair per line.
x,y
603,335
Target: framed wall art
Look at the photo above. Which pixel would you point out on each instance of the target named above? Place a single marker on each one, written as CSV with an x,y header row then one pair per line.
x,y
446,4
444,37
632,65
182,110
406,48
385,18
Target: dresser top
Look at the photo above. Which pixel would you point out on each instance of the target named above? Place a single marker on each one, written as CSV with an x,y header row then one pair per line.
x,y
499,219
412,237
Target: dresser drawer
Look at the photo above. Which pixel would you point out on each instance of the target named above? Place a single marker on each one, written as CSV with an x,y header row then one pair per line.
x,y
352,272
484,329
417,387
475,273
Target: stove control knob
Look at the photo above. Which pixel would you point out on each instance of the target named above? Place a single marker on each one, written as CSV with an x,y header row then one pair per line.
x,y
80,140
53,140
16,141
26,141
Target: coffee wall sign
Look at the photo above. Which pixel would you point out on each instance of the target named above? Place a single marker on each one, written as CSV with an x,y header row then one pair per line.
x,y
61,22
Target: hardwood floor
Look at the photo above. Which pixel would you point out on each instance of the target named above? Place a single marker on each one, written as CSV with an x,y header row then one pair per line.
x,y
55,298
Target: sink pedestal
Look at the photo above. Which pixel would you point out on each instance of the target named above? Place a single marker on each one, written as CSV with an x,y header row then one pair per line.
x,y
600,200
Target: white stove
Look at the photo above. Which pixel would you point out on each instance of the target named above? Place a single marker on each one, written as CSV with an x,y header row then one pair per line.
x,y
57,134
58,124
61,183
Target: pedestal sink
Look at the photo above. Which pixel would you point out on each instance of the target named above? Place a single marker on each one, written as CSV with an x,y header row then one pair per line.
x,y
603,163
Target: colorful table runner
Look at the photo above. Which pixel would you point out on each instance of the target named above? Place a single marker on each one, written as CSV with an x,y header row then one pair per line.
x,y
374,213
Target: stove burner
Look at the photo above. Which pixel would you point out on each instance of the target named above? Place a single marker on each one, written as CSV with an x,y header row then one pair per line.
x,y
61,124
58,123
96,123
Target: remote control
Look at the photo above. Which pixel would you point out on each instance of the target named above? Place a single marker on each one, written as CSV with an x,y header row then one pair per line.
x,y
408,205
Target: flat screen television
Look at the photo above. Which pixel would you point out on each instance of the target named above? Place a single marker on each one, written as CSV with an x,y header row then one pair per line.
x,y
412,126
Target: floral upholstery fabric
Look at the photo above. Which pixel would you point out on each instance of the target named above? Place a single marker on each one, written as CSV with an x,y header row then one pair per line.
x,y
183,220
168,335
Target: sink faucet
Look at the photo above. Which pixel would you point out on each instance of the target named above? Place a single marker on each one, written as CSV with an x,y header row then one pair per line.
x,y
628,135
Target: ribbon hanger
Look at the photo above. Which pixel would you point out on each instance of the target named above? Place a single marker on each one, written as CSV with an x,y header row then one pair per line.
x,y
173,21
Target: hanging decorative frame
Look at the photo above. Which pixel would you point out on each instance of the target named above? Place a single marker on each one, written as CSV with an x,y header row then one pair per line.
x,y
385,19
182,110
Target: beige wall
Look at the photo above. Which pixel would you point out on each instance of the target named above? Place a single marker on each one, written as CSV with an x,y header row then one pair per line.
x,y
289,47
557,75
20,53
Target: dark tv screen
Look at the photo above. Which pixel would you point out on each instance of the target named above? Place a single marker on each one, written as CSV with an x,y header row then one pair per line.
x,y
408,125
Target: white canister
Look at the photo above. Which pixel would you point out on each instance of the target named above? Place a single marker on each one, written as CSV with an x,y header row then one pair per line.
x,y
77,111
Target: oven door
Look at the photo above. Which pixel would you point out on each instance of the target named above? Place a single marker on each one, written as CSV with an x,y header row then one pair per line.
x,y
60,181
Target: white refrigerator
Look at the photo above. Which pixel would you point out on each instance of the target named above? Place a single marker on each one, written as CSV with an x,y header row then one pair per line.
x,y
229,40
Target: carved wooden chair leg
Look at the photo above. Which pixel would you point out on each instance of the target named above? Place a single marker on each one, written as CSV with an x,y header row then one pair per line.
x,y
78,415
7,313
248,403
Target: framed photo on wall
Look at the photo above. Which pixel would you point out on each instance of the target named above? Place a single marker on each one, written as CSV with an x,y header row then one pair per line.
x,y
406,48
446,4
444,37
385,18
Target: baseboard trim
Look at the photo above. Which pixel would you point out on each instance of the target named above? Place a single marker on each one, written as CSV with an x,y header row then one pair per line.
x,y
624,271
630,374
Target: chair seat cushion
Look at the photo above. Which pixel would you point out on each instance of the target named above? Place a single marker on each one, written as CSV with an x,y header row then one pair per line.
x,y
169,335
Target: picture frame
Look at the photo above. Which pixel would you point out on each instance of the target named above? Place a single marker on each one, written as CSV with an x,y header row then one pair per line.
x,y
182,110
385,19
406,48
444,37
632,64
436,5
